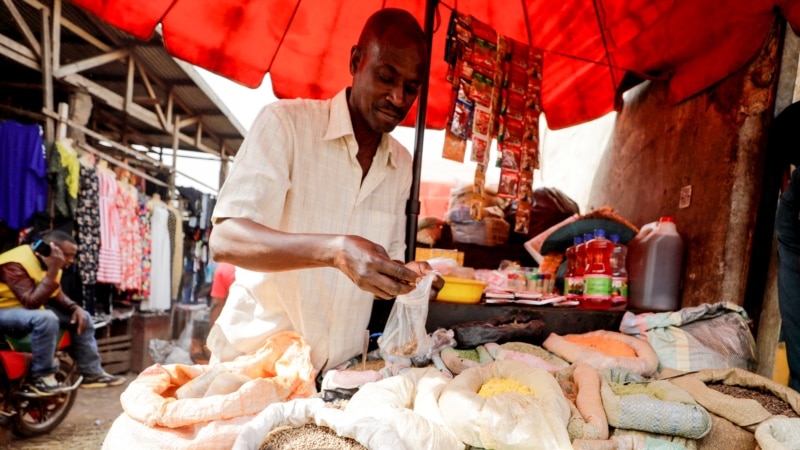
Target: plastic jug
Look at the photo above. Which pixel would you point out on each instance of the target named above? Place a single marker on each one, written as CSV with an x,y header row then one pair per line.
x,y
655,267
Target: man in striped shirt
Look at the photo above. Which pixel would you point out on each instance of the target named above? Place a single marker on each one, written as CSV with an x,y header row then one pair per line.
x,y
313,212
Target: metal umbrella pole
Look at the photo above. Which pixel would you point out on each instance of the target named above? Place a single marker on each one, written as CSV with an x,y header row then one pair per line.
x,y
413,205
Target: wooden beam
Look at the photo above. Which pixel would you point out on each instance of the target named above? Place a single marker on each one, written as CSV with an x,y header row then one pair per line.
x,y
63,117
198,136
119,163
175,142
188,121
170,103
24,28
66,23
94,61
150,91
56,35
129,81
18,53
113,99
128,151
47,77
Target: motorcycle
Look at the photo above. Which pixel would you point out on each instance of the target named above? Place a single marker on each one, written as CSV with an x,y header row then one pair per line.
x,y
23,411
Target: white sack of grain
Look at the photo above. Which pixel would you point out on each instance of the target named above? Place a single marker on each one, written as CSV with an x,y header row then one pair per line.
x,y
507,421
371,433
409,403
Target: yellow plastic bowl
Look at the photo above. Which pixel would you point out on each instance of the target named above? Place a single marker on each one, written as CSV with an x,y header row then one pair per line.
x,y
461,290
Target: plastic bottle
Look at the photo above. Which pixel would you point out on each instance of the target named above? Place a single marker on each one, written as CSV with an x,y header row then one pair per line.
x,y
619,273
655,267
597,275
580,258
573,283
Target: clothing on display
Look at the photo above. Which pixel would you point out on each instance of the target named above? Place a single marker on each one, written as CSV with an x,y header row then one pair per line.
x,y
23,173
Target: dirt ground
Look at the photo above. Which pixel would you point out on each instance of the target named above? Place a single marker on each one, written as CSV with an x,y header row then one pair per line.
x,y
86,425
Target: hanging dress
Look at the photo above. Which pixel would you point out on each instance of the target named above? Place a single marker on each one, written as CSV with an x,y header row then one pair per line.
x,y
109,268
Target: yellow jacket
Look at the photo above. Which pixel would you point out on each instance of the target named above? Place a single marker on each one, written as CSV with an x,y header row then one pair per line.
x,y
23,255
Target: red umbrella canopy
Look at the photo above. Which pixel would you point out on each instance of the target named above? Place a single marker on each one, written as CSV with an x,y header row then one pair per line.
x,y
589,45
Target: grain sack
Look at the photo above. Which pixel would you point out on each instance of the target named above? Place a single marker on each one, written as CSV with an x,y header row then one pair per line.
x,y
632,402
574,348
724,392
779,433
409,404
308,437
510,420
369,432
153,418
505,354
581,386
709,336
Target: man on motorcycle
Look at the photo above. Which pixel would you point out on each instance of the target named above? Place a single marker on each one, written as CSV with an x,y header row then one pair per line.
x,y
31,301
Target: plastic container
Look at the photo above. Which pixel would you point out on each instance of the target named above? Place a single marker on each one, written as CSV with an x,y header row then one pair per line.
x,y
597,275
461,290
619,272
573,282
655,267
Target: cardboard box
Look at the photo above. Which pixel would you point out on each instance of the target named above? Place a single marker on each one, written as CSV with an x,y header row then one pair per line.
x,y
424,254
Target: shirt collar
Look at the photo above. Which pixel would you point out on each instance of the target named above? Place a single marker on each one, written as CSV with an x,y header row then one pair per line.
x,y
341,126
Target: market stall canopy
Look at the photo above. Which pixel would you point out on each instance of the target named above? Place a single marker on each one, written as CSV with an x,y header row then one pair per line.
x,y
590,45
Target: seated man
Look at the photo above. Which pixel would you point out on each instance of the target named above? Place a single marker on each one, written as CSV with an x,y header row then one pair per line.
x,y
31,301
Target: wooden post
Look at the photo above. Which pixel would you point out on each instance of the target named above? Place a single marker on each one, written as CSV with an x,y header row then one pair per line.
x,y
175,142
47,78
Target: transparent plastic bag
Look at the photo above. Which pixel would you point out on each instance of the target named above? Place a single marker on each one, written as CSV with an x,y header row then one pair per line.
x,y
405,334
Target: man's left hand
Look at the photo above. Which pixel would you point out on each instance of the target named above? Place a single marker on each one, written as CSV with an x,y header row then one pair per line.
x,y
79,318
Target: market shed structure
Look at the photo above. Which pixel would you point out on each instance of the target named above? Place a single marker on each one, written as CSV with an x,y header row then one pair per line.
x,y
130,101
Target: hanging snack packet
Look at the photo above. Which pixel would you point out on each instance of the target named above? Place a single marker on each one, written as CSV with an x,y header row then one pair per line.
x,y
405,334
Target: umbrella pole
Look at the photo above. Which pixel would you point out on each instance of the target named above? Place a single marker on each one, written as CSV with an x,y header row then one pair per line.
x,y
412,207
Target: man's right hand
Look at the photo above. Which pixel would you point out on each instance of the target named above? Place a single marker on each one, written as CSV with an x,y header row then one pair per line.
x,y
369,266
55,261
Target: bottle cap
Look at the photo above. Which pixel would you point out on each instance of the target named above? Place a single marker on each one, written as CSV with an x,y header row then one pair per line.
x,y
600,233
588,237
577,240
614,238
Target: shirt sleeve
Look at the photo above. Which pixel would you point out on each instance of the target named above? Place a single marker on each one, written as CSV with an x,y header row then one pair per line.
x,y
259,179
30,294
397,248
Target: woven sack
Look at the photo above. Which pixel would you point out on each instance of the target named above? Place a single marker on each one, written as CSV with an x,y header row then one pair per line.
x,y
660,407
645,362
581,385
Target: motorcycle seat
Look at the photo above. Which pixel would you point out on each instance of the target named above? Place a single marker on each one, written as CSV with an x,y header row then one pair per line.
x,y
22,343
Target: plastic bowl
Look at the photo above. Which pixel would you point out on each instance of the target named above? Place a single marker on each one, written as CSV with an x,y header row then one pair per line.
x,y
461,290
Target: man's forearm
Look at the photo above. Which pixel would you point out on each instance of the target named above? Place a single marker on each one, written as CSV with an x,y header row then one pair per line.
x,y
30,294
253,246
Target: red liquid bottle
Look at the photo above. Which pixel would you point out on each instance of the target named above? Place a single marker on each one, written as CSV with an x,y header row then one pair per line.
x,y
573,282
597,274
580,260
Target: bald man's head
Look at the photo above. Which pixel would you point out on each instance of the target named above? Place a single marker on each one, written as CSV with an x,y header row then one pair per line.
x,y
388,66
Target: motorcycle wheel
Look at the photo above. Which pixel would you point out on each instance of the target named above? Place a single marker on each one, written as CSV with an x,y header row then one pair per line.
x,y
38,416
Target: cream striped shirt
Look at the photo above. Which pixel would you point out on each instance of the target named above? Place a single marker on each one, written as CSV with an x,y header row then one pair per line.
x,y
297,172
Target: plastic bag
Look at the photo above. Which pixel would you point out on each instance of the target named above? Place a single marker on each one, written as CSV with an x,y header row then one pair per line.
x,y
405,333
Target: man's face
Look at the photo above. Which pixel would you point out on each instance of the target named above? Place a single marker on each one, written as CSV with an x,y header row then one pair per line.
x,y
386,81
69,249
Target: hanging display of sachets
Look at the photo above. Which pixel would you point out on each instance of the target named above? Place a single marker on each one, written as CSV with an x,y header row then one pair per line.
x,y
496,94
